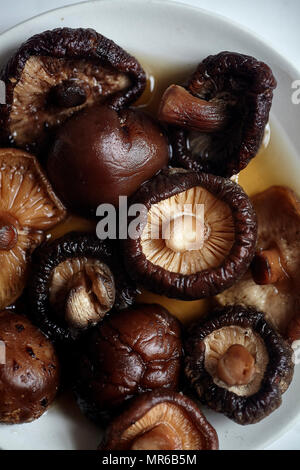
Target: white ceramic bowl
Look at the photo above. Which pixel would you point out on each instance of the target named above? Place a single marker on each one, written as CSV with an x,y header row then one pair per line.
x,y
175,34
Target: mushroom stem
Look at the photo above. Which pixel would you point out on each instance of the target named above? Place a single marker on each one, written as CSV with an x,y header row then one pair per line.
x,y
8,236
266,267
67,94
184,233
181,108
236,366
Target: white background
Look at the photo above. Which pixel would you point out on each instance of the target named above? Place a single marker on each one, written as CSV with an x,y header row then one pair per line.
x,y
276,21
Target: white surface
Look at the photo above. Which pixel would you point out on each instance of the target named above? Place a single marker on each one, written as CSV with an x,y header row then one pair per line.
x,y
277,22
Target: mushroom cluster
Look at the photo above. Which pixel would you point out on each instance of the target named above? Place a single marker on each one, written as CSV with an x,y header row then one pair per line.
x,y
238,364
198,236
117,152
132,366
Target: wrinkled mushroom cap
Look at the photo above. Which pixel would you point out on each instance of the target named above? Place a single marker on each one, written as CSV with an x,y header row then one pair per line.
x,y
56,73
29,205
278,217
245,86
130,352
160,420
29,379
197,235
180,252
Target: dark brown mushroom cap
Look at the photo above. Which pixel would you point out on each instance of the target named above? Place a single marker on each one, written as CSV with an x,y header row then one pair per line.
x,y
207,282
140,406
276,379
129,352
73,245
74,45
29,379
247,85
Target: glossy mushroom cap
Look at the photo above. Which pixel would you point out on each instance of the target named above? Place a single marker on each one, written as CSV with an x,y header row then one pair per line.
x,y
130,352
273,284
29,378
28,207
116,153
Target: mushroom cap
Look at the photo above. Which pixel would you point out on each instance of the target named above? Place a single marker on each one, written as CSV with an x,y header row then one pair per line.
x,y
29,379
128,353
74,246
246,85
96,65
229,236
180,414
245,404
278,220
117,152
29,205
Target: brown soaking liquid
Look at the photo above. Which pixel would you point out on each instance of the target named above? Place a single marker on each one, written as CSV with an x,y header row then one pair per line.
x,y
276,164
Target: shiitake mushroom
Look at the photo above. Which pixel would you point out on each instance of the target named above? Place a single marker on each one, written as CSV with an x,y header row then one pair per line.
x,y
129,352
29,376
196,238
76,280
28,207
218,120
160,420
237,364
272,284
115,154
55,74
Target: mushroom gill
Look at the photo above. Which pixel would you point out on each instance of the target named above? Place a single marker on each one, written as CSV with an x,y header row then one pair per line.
x,y
163,427
28,207
58,72
188,232
37,100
